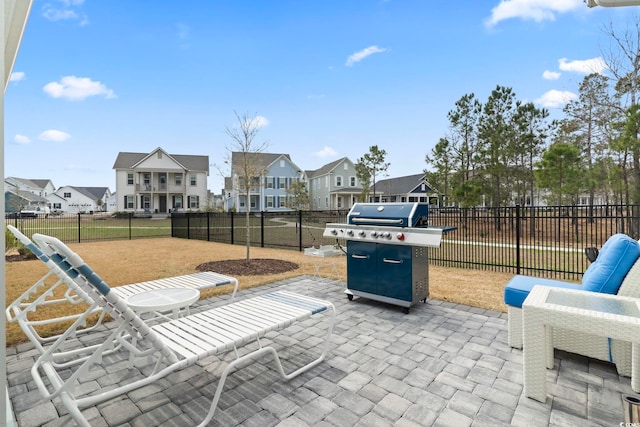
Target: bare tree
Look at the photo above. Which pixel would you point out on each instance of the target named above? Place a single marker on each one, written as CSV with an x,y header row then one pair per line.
x,y
245,162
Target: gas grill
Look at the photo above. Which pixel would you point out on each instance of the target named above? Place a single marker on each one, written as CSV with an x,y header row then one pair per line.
x,y
387,251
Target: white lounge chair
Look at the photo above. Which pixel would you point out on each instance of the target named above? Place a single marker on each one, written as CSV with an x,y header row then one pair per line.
x,y
173,345
41,293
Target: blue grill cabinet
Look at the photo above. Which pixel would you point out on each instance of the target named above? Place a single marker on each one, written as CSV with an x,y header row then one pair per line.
x,y
387,251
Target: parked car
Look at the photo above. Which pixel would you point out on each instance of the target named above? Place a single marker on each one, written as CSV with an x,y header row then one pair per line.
x,y
39,212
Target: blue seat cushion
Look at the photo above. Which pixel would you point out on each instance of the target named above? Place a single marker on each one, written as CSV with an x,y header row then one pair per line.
x,y
519,287
616,257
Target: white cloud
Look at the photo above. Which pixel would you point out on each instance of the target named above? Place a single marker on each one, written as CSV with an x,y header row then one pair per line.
x,y
77,88
550,75
534,10
359,56
54,135
326,152
556,98
586,66
21,139
17,76
64,10
259,121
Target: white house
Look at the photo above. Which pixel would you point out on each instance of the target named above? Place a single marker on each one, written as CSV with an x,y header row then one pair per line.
x,y
159,182
70,199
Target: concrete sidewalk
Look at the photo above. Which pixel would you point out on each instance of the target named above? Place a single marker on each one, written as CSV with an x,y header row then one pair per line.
x,y
442,364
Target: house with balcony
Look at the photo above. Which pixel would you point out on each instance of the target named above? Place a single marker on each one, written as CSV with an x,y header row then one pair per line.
x,y
334,186
160,183
272,175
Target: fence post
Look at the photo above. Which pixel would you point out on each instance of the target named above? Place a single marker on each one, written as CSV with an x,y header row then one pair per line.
x,y
232,229
262,229
130,216
78,227
300,230
208,227
517,239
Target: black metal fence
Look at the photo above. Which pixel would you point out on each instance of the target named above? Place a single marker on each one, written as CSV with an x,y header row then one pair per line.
x,y
90,228
537,241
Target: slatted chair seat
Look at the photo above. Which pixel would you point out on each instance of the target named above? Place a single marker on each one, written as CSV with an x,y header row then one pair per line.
x,y
173,345
41,293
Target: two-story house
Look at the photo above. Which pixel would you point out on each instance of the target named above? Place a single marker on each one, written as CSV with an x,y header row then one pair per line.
x,y
410,188
21,193
70,199
334,185
273,174
159,182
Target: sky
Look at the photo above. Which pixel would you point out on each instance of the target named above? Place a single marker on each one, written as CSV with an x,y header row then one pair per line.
x,y
326,78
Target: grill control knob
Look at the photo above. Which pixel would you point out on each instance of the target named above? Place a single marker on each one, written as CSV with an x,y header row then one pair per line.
x,y
386,235
400,236
349,232
374,234
361,233
334,231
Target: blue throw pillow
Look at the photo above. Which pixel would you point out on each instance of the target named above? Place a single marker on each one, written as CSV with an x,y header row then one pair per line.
x,y
614,261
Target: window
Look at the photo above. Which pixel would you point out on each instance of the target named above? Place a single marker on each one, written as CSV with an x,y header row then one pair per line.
x,y
57,206
177,201
129,178
129,202
352,181
254,202
269,201
193,180
282,182
326,202
281,163
345,166
269,182
242,203
339,202
194,202
67,195
146,202
338,181
146,179
178,179
282,201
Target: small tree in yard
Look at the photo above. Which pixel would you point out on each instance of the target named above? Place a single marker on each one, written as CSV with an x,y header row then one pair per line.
x,y
245,162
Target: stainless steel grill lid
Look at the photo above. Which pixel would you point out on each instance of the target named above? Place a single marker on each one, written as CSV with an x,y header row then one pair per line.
x,y
389,214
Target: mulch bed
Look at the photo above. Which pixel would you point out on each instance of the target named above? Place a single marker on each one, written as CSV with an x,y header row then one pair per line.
x,y
255,267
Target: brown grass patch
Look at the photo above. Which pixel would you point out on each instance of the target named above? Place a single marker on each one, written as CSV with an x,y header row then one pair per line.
x,y
130,261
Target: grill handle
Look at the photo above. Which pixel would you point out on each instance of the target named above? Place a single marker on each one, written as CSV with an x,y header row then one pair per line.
x,y
376,221
392,261
360,256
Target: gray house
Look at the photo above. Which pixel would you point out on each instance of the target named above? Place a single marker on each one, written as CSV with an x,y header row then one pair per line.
x,y
268,189
410,188
334,185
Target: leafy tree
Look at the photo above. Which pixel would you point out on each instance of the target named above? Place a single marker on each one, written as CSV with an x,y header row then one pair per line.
x,y
441,159
561,172
364,177
299,199
496,136
246,164
588,118
372,163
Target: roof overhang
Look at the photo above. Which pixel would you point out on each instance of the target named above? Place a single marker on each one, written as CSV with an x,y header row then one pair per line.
x,y
612,3
16,13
